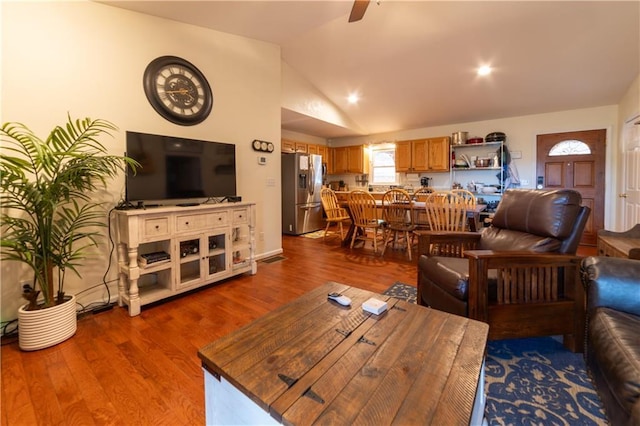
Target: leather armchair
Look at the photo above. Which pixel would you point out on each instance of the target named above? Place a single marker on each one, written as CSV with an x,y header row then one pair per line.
x,y
612,344
520,275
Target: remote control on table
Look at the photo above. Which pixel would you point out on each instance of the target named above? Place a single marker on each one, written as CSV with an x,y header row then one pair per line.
x,y
343,300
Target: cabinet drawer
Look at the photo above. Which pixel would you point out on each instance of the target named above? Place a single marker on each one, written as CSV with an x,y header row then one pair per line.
x,y
193,222
155,227
240,216
218,219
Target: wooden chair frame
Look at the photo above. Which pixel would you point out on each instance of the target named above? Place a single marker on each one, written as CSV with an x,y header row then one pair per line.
x,y
397,212
364,212
335,214
538,294
446,211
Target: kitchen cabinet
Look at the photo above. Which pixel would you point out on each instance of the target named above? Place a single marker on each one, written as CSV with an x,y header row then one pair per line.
x,y
330,160
350,159
423,155
288,146
293,146
202,244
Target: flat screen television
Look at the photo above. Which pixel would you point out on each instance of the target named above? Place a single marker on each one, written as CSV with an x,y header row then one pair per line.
x,y
174,169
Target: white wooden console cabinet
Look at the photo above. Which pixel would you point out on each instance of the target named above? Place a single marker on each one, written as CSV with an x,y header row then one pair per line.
x,y
206,243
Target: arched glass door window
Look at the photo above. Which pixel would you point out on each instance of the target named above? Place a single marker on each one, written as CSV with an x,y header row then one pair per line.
x,y
569,147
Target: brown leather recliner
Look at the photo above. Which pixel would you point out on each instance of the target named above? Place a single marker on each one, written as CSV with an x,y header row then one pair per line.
x,y
613,343
520,274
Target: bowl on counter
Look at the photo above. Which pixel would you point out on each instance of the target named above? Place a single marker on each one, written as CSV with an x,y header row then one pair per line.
x,y
489,190
483,162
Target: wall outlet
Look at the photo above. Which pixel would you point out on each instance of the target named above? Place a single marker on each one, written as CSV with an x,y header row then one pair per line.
x,y
524,182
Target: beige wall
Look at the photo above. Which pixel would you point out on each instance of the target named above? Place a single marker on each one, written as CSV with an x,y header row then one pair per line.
x,y
88,59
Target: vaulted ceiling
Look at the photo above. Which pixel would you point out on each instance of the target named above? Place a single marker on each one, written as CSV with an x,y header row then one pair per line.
x,y
414,63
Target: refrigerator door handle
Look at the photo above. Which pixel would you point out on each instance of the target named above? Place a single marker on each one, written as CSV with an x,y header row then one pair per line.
x,y
312,177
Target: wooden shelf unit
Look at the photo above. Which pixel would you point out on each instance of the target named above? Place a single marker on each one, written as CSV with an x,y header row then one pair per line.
x,y
220,242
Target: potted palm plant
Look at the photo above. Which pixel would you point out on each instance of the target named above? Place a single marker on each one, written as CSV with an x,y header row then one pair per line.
x,y
49,220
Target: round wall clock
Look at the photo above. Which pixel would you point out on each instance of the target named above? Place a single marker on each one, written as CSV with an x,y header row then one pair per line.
x,y
263,146
177,90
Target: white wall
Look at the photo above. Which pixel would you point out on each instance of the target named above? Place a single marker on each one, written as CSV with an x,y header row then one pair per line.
x,y
88,59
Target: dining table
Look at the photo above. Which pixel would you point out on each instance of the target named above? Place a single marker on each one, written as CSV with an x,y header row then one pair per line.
x,y
473,216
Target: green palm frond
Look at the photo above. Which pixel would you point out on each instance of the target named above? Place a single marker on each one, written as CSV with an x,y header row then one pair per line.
x,y
48,215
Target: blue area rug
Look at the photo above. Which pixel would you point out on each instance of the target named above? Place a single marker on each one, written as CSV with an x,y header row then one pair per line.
x,y
534,381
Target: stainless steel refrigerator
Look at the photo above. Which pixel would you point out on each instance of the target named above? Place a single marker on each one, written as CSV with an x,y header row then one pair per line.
x,y
301,185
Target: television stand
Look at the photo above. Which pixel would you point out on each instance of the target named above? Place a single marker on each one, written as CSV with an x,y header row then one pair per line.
x,y
187,204
205,243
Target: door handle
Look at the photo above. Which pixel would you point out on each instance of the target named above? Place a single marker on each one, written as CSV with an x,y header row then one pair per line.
x,y
623,195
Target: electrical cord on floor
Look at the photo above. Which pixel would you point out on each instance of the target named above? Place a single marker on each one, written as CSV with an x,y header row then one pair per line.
x,y
9,336
97,307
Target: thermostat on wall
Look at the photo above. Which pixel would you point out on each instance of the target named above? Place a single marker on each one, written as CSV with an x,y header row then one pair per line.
x,y
262,160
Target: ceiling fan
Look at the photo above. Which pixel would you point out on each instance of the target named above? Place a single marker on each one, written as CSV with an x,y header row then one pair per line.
x,y
358,9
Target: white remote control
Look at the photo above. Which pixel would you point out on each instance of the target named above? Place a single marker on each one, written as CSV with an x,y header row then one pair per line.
x,y
343,300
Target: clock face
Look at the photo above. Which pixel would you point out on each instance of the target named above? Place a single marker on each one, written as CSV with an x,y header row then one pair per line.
x,y
177,90
262,146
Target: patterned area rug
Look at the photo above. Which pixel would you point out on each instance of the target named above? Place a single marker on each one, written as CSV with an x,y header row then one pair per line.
x,y
532,381
315,234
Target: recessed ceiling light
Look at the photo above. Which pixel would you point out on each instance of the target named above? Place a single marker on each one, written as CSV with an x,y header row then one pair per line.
x,y
353,98
484,70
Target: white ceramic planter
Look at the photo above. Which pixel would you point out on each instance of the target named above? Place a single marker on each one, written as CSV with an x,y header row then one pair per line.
x,y
46,327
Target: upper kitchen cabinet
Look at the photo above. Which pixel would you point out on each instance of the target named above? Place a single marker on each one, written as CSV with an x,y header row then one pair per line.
x,y
350,159
302,147
312,149
288,146
321,150
423,155
293,146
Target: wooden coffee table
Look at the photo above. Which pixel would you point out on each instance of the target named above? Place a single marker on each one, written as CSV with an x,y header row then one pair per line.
x,y
314,360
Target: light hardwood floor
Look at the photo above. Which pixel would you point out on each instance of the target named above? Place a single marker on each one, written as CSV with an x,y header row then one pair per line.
x,y
145,370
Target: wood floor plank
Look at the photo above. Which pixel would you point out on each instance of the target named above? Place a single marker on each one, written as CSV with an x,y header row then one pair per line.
x,y
117,370
17,405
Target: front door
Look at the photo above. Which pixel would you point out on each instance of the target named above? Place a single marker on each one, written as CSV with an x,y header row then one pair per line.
x,y
576,160
630,196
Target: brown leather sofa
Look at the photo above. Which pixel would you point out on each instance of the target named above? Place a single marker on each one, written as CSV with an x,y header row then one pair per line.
x,y
520,275
613,334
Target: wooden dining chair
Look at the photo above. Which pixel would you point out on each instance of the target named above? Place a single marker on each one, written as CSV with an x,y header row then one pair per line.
x,y
468,196
366,219
335,214
446,211
397,212
471,202
420,215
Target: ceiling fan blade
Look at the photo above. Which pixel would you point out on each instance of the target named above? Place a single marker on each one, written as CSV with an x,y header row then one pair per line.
x,y
357,12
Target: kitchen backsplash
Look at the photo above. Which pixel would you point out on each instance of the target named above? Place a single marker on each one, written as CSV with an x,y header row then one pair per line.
x,y
407,181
